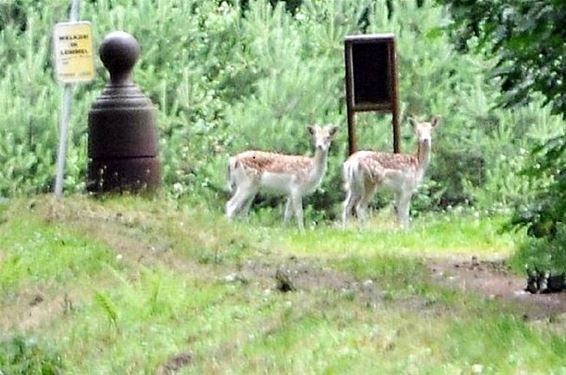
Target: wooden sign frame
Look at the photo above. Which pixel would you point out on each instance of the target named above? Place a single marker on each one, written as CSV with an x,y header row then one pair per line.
x,y
371,81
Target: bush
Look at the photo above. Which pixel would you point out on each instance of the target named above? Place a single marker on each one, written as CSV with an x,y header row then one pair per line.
x,y
543,253
544,216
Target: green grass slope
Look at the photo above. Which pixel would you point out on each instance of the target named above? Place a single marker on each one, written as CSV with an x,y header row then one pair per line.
x,y
130,286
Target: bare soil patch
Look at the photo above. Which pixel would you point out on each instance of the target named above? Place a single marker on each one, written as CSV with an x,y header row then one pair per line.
x,y
34,308
302,275
295,274
494,280
176,363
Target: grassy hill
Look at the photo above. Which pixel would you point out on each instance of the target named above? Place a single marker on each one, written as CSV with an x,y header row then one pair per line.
x,y
127,286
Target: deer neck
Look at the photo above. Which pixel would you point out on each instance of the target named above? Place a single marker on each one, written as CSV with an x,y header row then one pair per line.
x,y
318,168
423,158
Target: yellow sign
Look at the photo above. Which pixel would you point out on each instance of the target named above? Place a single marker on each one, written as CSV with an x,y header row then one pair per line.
x,y
74,60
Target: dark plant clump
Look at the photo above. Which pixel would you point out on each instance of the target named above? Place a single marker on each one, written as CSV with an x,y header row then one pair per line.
x,y
544,281
26,355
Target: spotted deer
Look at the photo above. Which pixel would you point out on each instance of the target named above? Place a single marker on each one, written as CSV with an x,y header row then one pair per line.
x,y
293,176
365,171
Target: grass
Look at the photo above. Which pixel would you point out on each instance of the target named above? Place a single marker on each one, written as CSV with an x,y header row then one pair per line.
x,y
43,252
140,286
451,234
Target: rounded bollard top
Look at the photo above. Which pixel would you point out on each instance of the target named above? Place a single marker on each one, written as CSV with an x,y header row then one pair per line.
x,y
119,53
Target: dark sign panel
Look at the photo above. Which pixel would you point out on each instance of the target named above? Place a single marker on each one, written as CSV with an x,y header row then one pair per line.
x,y
371,79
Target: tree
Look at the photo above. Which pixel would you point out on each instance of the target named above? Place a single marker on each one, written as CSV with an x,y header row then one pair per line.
x,y
527,40
526,36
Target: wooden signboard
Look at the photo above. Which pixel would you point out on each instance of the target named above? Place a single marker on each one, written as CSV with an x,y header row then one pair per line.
x,y
371,81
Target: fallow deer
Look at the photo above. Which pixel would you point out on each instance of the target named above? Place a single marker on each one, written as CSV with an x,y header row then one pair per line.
x,y
291,175
365,171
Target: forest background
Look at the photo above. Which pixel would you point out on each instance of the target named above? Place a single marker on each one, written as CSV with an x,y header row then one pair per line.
x,y
230,75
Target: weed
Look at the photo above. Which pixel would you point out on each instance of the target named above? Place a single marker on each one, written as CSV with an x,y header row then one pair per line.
x,y
104,302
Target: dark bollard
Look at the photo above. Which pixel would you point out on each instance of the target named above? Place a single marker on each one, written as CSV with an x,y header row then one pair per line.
x,y
122,131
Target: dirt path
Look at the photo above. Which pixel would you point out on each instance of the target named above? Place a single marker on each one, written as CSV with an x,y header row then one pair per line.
x,y
493,280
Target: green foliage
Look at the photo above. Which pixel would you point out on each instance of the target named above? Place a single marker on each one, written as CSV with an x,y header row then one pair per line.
x,y
20,355
231,75
547,212
545,216
527,39
29,100
104,302
543,253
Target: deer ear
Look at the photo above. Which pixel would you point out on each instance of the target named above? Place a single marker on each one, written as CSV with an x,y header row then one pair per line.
x,y
413,122
310,128
333,130
435,121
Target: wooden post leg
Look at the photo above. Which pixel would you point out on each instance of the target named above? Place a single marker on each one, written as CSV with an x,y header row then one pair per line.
x,y
396,131
352,147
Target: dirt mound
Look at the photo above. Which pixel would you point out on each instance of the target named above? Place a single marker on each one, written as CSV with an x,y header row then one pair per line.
x,y
494,280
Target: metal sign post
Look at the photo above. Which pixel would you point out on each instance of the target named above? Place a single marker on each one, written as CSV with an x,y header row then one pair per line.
x,y
371,81
73,63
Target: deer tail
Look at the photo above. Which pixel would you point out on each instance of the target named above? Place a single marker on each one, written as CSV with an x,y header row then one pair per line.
x,y
351,174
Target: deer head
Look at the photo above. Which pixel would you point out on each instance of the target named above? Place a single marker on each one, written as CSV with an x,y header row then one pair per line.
x,y
423,130
322,136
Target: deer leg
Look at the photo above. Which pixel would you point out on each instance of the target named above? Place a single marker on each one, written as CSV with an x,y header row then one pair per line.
x,y
233,205
240,198
247,204
356,192
402,207
230,205
288,210
349,203
297,202
361,209
363,202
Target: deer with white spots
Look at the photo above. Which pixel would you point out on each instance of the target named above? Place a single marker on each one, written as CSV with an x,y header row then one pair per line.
x,y
365,171
293,176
